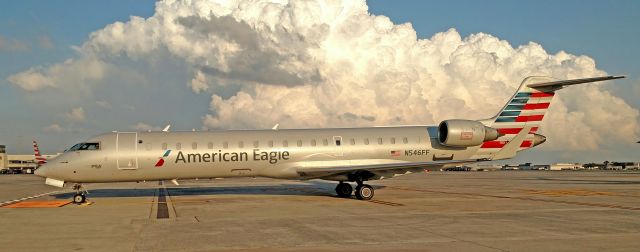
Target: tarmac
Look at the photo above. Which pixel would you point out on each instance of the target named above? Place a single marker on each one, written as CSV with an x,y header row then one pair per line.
x,y
436,211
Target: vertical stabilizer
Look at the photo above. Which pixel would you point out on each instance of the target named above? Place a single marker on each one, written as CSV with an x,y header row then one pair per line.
x,y
40,160
525,111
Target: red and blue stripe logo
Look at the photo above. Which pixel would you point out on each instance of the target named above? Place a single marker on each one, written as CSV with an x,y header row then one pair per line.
x,y
521,102
525,108
161,160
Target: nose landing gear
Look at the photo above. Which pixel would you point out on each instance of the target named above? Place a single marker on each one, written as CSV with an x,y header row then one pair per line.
x,y
80,197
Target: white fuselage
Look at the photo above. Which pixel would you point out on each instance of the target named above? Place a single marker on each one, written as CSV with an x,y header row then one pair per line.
x,y
136,156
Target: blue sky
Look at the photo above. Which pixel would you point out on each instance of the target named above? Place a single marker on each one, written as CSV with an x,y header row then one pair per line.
x,y
42,33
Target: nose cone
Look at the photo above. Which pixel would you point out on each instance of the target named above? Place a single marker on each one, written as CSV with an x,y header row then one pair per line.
x,y
41,171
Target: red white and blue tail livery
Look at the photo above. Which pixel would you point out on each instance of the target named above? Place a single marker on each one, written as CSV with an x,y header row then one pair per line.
x,y
40,160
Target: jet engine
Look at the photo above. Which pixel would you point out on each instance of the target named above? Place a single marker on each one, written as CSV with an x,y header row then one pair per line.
x,y
465,133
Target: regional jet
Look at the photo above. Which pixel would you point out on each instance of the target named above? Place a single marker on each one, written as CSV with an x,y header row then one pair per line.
x,y
344,155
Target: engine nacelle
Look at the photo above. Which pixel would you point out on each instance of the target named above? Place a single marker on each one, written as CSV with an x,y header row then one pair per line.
x,y
465,133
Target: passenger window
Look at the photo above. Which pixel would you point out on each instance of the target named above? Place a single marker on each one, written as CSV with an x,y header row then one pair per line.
x,y
325,142
313,142
256,144
392,140
225,145
241,144
194,145
285,143
210,145
299,143
353,141
178,146
270,143
380,140
405,140
366,141
164,146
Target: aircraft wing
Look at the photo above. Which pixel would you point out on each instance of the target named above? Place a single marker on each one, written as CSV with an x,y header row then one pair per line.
x,y
378,170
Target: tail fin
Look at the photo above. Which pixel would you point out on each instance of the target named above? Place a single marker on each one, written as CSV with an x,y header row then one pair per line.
x,y
526,109
40,160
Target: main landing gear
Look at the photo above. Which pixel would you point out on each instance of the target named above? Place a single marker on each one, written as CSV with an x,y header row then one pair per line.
x,y
344,190
80,197
363,191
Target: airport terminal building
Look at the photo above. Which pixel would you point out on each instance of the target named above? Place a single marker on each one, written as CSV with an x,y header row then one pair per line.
x,y
18,163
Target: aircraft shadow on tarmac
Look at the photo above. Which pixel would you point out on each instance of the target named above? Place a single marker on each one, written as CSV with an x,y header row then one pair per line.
x,y
313,188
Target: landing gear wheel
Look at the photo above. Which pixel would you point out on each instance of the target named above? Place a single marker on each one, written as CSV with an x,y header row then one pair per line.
x,y
364,192
344,190
79,198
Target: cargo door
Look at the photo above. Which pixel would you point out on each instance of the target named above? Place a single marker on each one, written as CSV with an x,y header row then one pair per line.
x,y
127,150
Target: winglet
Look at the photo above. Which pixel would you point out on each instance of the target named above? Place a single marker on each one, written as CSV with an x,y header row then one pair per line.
x,y
511,148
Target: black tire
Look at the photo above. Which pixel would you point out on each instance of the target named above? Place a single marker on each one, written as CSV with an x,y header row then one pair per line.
x,y
344,190
364,192
79,198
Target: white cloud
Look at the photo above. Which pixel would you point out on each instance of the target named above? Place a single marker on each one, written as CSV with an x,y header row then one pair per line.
x,y
199,83
74,74
53,128
331,63
76,115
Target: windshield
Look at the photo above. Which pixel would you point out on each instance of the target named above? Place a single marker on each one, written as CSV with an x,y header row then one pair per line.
x,y
85,146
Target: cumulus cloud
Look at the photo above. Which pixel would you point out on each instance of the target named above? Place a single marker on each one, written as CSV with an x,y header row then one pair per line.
x,y
53,128
331,63
72,74
75,115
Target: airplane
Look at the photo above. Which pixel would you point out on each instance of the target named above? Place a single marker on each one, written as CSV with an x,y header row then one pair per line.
x,y
40,160
345,155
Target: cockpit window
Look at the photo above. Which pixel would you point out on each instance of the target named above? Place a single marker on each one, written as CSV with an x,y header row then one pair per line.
x,y
90,146
75,147
85,146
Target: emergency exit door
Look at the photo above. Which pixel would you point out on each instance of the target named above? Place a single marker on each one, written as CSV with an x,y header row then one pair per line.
x,y
127,150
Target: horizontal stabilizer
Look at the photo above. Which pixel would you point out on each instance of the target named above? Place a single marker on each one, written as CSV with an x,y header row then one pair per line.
x,y
561,83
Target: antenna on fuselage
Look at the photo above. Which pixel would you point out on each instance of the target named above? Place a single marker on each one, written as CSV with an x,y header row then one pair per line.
x,y
275,127
166,128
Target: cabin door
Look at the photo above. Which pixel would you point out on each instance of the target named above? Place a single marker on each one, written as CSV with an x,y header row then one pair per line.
x,y
127,150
